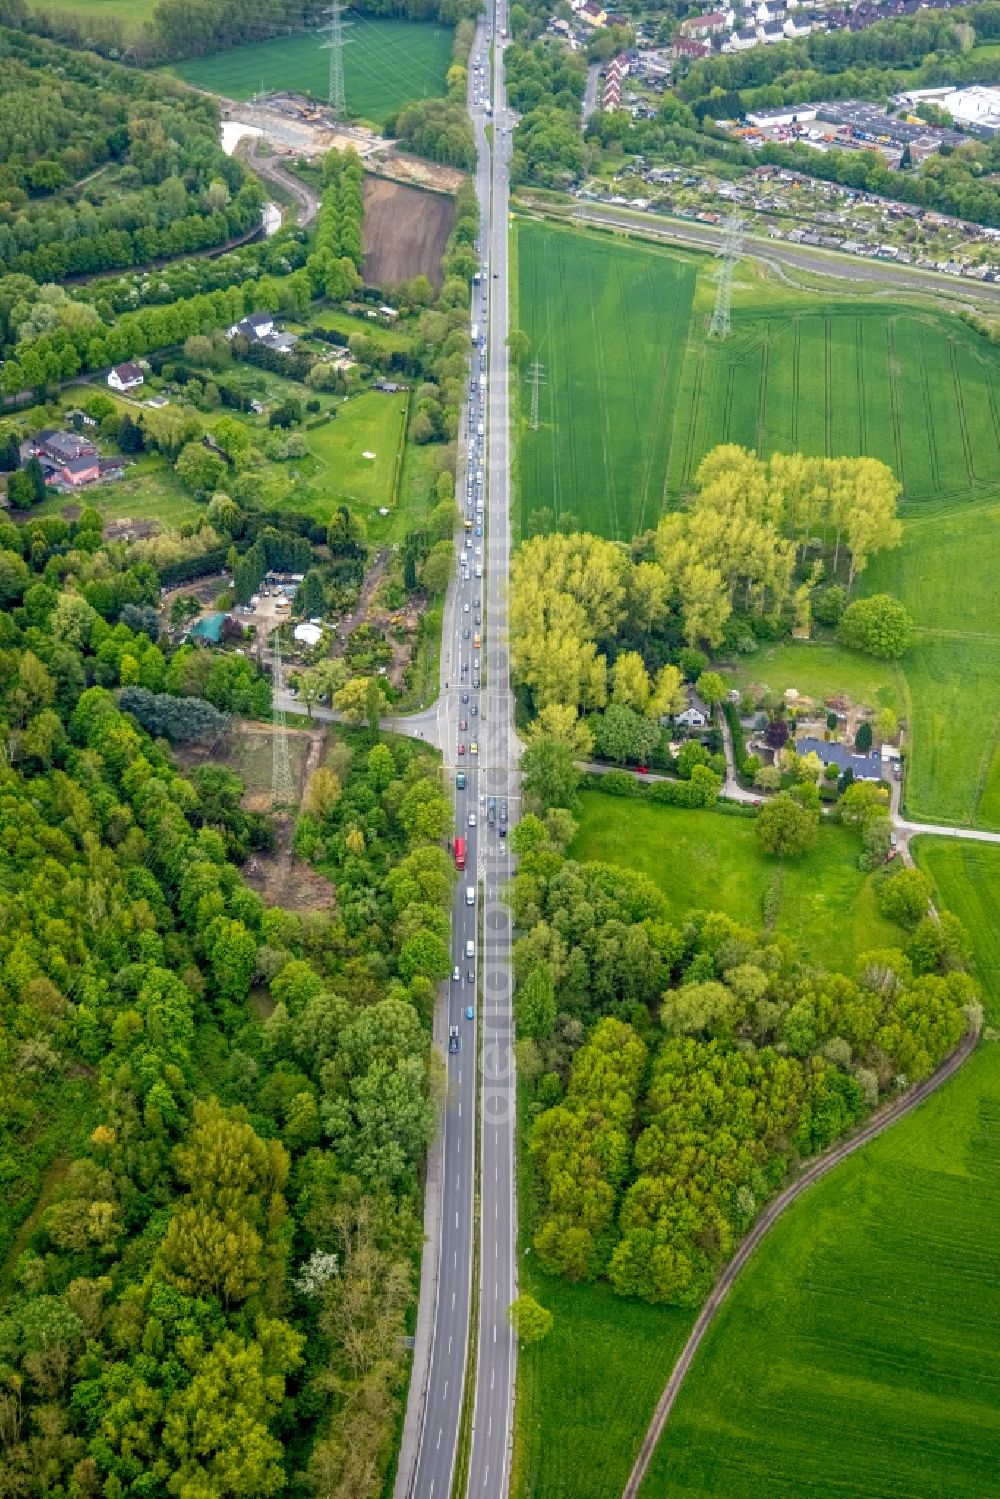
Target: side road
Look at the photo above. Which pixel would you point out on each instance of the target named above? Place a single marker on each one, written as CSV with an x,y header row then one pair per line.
x,y
837,1153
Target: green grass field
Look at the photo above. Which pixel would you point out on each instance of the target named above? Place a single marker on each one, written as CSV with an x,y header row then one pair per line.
x,y
368,423
917,389
608,321
336,321
635,394
944,573
859,1353
820,669
150,490
585,1393
584,1396
711,862
386,64
132,15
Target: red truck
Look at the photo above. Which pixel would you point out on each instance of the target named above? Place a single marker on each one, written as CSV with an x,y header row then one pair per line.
x,y
459,853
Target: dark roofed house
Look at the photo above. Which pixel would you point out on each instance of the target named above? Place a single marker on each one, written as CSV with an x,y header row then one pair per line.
x,y
63,447
79,471
255,326
126,376
696,714
685,46
281,343
864,767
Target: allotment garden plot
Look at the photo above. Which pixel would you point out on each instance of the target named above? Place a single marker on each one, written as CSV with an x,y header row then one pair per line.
x,y
387,63
608,322
916,389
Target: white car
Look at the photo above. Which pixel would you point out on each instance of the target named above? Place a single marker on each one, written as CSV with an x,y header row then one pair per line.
x,y
456,974
472,819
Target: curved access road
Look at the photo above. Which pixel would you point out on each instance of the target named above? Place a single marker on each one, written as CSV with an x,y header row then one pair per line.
x,y
271,170
784,1200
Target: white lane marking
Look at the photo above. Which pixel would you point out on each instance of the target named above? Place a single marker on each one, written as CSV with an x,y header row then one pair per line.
x,y
440,1433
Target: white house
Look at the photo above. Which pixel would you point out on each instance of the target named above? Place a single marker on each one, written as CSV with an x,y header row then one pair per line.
x,y
255,326
125,376
696,714
797,26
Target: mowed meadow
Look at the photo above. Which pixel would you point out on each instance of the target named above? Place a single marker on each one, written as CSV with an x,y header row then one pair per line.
x,y
387,63
858,1353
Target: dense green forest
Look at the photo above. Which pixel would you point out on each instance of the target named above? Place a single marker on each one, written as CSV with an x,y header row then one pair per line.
x,y
102,168
679,1067
192,28
545,85
210,1221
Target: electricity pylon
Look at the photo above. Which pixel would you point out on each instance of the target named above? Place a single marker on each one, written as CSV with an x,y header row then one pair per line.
x,y
336,97
282,786
732,246
537,379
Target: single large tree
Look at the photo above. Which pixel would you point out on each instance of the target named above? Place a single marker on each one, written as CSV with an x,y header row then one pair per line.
x,y
786,829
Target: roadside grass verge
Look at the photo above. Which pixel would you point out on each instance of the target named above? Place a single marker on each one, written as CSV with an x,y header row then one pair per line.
x,y
707,861
859,1353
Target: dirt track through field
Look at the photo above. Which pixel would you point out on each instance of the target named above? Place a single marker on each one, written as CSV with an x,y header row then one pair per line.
x,y
405,232
881,1121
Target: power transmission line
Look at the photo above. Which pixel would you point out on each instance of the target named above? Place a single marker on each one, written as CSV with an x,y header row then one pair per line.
x,y
537,378
732,248
282,785
336,96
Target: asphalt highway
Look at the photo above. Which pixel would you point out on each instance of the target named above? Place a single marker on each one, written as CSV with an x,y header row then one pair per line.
x,y
473,726
496,1349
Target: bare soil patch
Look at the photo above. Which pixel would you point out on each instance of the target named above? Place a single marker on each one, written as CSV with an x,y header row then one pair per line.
x,y
280,878
405,232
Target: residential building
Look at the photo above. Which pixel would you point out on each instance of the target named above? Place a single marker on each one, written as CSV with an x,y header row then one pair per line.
x,y
864,767
255,326
696,714
700,27
80,471
281,343
797,26
593,14
62,447
126,376
685,47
